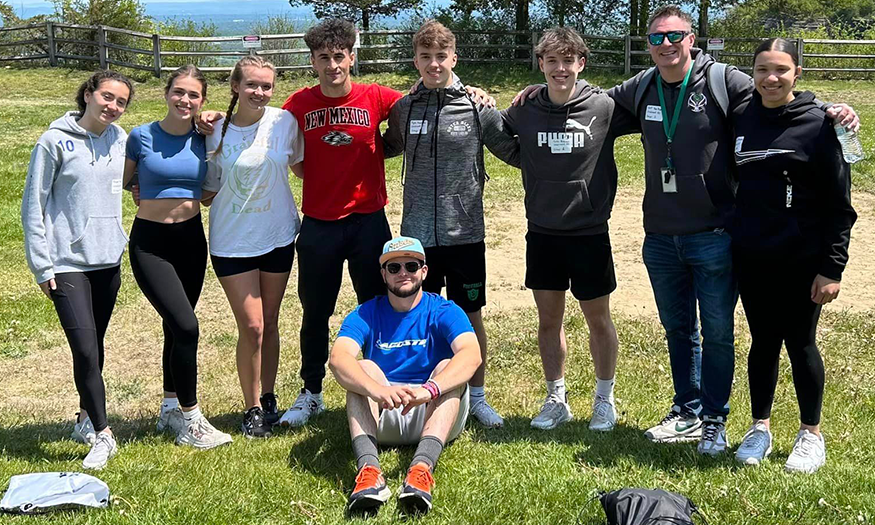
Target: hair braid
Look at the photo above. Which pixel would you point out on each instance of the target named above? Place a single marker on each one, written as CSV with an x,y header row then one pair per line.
x,y
234,97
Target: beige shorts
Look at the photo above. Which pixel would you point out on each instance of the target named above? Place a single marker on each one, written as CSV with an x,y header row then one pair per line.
x,y
395,429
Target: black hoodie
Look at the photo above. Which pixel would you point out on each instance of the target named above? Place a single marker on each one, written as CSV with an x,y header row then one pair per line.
x,y
794,187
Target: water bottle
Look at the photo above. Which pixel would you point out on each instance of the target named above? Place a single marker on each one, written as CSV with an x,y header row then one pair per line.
x,y
852,149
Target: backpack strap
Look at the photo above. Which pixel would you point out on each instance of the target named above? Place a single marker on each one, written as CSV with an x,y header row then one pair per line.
x,y
717,86
641,88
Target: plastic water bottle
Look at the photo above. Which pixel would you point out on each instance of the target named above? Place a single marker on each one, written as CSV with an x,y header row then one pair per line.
x,y
852,149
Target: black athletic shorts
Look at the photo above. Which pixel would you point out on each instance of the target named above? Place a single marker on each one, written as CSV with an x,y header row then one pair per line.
x,y
278,260
462,269
552,261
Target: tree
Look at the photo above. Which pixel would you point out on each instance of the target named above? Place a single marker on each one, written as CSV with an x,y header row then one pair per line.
x,y
358,10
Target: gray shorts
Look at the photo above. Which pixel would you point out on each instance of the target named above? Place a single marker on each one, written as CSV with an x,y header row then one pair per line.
x,y
395,429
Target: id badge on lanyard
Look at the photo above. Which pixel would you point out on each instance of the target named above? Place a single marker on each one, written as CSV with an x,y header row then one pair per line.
x,y
668,174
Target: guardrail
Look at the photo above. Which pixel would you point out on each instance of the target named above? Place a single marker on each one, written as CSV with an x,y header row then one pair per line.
x,y
55,44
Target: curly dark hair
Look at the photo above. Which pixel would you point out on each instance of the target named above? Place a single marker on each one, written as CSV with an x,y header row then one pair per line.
x,y
93,84
333,33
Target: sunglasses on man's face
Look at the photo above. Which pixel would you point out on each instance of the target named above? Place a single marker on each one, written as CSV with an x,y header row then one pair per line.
x,y
411,267
656,39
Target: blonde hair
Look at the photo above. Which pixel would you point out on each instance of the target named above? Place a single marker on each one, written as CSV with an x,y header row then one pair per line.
x,y
434,34
237,76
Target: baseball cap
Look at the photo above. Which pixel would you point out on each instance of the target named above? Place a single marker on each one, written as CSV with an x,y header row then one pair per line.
x,y
402,247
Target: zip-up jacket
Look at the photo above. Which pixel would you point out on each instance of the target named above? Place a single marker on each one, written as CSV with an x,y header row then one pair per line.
x,y
794,187
71,209
441,133
567,153
701,151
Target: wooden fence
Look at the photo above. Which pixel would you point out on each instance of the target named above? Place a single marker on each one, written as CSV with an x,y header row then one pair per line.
x,y
56,44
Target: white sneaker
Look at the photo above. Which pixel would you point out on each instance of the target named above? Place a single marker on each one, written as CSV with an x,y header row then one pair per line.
x,y
83,431
809,453
485,414
675,428
756,445
202,435
604,414
305,405
103,449
713,440
554,412
171,420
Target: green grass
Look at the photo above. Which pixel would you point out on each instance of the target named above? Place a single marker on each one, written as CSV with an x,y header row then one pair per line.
x,y
512,475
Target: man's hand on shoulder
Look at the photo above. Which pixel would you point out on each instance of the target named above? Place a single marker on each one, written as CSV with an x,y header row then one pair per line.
x,y
480,97
205,121
391,397
527,93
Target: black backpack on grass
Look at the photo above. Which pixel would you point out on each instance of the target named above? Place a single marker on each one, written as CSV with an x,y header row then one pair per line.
x,y
648,507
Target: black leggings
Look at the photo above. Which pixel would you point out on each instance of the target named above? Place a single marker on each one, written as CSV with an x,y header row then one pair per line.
x,y
169,262
776,293
84,302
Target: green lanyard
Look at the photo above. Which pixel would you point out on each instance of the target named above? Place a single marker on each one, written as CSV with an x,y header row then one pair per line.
x,y
671,127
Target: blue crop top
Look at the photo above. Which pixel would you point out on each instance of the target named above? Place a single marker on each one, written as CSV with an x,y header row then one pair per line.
x,y
168,166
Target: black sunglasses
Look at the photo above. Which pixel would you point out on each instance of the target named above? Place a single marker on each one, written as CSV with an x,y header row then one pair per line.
x,y
674,37
411,266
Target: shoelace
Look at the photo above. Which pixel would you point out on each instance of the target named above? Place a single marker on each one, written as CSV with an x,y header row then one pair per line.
x,y
756,440
602,407
102,446
804,445
303,402
421,478
672,416
709,431
368,477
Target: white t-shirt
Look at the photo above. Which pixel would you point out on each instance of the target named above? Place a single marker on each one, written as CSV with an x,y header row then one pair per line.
x,y
254,211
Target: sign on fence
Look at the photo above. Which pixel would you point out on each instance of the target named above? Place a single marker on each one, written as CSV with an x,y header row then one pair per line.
x,y
251,42
715,44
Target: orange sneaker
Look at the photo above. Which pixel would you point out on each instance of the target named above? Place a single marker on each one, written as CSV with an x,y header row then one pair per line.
x,y
370,489
415,496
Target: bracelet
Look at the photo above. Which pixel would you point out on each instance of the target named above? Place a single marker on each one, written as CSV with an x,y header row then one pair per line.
x,y
432,388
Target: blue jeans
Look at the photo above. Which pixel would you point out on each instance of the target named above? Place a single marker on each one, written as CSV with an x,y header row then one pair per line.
x,y
684,270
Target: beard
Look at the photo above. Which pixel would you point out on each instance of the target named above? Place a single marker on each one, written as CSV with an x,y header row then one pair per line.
x,y
398,292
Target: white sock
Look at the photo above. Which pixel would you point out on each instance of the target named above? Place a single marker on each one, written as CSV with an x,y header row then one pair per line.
x,y
192,415
476,393
557,387
169,403
604,388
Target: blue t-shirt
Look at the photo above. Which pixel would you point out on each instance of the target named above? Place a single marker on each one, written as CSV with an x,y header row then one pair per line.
x,y
407,346
168,166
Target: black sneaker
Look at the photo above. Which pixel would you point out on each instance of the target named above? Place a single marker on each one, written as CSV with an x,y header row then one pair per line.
x,y
268,405
254,425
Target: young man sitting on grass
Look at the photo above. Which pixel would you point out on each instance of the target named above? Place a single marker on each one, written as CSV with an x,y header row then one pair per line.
x,y
411,387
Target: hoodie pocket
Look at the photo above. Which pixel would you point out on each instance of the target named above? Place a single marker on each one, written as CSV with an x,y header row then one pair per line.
x,y
559,205
102,242
694,195
457,222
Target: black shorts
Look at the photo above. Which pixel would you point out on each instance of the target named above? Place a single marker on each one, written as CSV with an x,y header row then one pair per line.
x,y
584,260
462,269
278,260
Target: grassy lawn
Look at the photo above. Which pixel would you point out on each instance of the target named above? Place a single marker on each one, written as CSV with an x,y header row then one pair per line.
x,y
510,475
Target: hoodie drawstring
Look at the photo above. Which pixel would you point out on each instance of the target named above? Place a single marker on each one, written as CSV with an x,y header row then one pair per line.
x,y
93,155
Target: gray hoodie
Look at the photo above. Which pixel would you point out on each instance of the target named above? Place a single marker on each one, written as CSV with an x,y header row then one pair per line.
x,y
443,172
567,152
72,204
702,152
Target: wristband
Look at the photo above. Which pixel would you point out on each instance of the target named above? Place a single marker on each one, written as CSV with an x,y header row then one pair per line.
x,y
432,388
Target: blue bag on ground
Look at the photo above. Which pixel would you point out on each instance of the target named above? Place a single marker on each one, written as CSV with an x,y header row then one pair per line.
x,y
49,491
648,507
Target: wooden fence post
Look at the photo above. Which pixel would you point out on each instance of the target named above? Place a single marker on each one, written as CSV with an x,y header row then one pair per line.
x,y
156,55
800,48
534,55
101,46
627,54
50,44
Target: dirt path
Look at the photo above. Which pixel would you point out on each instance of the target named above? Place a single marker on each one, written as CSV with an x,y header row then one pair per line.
x,y
506,258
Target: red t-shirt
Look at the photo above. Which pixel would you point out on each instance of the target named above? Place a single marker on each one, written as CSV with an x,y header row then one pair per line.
x,y
343,150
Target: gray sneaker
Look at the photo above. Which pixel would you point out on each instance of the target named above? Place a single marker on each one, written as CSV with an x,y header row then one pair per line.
x,y
554,412
808,455
171,421
202,435
103,449
305,406
755,446
83,431
713,440
676,427
604,414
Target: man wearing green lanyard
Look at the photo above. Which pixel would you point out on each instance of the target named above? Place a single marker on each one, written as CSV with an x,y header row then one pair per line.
x,y
687,136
